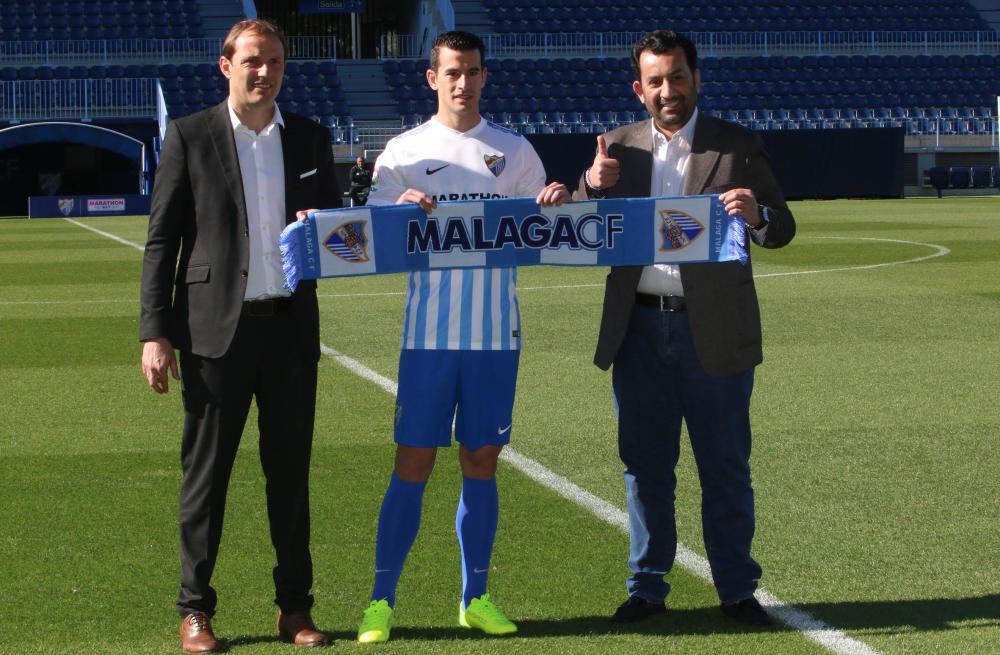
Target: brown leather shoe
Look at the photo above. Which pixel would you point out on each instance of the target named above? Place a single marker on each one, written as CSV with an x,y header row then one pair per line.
x,y
298,628
197,635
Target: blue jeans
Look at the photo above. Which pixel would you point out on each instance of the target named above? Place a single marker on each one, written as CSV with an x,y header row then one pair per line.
x,y
658,381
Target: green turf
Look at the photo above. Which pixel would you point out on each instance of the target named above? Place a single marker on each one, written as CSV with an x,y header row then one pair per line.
x,y
875,419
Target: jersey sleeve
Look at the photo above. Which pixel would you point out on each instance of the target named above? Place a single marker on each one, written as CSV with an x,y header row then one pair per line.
x,y
388,182
532,173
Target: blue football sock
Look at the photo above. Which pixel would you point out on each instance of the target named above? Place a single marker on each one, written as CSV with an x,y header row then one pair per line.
x,y
476,525
398,523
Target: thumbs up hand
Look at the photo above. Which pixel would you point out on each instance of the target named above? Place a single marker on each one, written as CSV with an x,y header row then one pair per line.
x,y
604,172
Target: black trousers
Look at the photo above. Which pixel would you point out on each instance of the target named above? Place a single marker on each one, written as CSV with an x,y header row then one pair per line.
x,y
266,362
359,195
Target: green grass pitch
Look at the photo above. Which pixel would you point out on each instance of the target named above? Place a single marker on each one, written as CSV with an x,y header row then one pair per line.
x,y
876,431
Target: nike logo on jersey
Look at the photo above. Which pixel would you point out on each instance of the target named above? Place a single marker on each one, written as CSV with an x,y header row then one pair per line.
x,y
431,171
502,431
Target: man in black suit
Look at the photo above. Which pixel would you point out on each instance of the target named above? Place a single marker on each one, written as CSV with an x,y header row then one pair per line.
x,y
229,179
684,340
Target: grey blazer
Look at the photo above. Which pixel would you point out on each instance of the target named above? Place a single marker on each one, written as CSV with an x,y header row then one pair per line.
x,y
721,298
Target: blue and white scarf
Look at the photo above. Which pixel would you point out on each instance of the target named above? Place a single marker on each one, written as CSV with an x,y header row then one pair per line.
x,y
381,239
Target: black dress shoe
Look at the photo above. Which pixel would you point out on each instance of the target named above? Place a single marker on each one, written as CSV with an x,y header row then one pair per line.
x,y
747,611
637,608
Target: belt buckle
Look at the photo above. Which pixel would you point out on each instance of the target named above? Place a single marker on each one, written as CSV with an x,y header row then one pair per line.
x,y
671,304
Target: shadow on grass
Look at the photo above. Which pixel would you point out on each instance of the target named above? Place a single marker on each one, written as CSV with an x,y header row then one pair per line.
x,y
923,615
883,617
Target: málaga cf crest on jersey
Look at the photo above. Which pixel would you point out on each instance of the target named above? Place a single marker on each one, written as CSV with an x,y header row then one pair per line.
x,y
496,163
511,232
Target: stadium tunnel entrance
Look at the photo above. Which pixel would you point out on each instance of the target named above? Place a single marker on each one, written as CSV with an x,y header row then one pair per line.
x,y
58,158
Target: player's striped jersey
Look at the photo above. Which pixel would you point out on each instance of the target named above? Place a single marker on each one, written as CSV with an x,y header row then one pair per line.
x,y
460,309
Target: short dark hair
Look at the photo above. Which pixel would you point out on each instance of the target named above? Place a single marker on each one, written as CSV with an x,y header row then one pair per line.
x,y
460,42
660,42
252,26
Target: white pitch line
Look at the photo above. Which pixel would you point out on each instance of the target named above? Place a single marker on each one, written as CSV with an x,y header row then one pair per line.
x,y
126,242
940,252
830,638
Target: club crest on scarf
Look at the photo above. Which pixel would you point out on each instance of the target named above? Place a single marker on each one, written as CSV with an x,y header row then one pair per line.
x,y
496,163
678,229
348,241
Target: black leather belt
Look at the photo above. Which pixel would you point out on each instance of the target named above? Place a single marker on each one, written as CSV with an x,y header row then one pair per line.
x,y
663,303
266,307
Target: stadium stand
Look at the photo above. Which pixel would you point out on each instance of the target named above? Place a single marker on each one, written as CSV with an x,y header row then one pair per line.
x,y
763,90
776,92
777,66
520,16
57,20
172,53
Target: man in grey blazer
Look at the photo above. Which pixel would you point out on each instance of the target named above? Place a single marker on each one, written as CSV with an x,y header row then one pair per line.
x,y
684,340
229,179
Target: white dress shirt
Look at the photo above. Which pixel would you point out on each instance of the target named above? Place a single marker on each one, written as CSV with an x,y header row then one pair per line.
x,y
262,167
670,164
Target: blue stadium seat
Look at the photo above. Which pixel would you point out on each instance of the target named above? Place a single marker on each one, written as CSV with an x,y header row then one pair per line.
x,y
959,177
607,117
981,178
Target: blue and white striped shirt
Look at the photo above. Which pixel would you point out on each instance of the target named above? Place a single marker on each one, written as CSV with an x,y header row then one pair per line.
x,y
460,309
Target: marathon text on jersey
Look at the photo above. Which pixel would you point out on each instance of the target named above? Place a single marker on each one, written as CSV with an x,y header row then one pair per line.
x,y
589,231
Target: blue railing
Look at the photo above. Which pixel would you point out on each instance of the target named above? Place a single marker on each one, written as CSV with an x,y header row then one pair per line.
x,y
108,51
721,44
78,99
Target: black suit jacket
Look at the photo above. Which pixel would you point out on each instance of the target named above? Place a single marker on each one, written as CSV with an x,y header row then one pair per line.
x,y
721,298
197,253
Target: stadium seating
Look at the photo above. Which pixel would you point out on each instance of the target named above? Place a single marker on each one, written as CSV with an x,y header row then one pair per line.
x,y
53,20
959,177
526,16
187,87
565,93
981,177
778,92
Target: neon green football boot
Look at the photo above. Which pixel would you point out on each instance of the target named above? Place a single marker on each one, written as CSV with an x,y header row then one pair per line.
x,y
482,614
377,624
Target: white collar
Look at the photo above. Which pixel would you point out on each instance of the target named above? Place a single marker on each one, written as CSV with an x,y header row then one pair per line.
x,y
237,123
686,133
